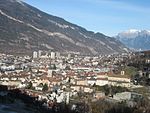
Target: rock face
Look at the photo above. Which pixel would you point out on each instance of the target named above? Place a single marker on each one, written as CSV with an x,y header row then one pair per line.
x,y
135,39
24,29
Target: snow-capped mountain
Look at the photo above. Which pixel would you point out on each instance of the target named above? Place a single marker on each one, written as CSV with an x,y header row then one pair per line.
x,y
135,39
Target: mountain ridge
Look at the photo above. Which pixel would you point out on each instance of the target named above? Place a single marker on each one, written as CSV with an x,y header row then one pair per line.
x,y
25,28
135,39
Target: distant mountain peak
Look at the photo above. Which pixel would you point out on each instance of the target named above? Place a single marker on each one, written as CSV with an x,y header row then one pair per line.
x,y
135,39
133,33
133,30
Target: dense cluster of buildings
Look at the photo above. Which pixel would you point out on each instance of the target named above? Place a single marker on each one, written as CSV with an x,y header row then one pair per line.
x,y
58,78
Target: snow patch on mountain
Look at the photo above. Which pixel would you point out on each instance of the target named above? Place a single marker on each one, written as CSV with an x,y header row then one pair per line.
x,y
84,35
14,19
133,33
135,39
61,25
20,2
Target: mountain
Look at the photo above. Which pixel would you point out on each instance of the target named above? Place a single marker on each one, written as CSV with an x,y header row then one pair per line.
x,y
24,29
135,39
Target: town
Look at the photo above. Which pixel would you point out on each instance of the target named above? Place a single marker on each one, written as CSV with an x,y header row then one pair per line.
x,y
72,78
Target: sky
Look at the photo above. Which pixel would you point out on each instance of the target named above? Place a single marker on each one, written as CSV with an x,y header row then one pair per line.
x,y
106,16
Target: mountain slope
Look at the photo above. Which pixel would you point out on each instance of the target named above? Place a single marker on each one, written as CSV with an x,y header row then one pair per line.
x,y
135,39
24,29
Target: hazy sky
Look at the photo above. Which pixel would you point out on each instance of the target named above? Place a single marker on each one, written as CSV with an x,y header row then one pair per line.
x,y
105,16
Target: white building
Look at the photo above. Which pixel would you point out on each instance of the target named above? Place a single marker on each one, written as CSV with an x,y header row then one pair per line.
x,y
35,54
50,73
53,55
119,81
11,67
101,81
127,96
91,81
58,55
39,53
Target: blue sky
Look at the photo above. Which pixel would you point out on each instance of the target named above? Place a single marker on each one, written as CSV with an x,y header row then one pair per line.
x,y
106,16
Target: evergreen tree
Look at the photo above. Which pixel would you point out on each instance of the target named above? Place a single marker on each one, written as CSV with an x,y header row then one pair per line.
x,y
45,87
